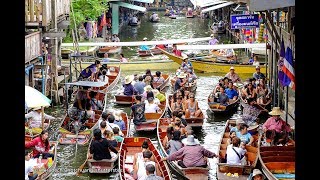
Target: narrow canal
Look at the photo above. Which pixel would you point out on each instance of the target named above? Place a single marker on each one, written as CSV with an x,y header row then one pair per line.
x,y
70,157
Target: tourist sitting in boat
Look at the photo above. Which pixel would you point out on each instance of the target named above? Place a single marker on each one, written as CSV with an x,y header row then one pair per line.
x,y
277,127
168,137
148,73
244,135
122,58
139,156
139,172
192,107
137,111
135,79
158,78
232,134
180,82
192,154
180,115
90,71
257,175
118,120
251,111
100,147
258,75
29,166
103,77
239,121
139,86
117,137
110,138
255,61
128,87
178,105
221,97
178,126
144,47
151,175
111,123
40,145
95,104
189,12
35,118
231,92
151,106
234,152
191,77
175,143
105,57
213,40
103,128
161,97
146,89
233,76
176,52
249,91
104,117
263,93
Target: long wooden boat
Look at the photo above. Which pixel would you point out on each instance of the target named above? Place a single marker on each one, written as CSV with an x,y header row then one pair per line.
x,y
192,121
46,169
221,58
209,66
151,52
107,165
110,49
278,162
218,108
190,172
130,100
252,155
131,146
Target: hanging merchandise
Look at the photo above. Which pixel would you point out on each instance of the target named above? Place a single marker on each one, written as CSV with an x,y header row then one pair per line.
x,y
261,32
89,29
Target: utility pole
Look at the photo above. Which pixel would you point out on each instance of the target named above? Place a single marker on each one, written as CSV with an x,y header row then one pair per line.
x,y
54,52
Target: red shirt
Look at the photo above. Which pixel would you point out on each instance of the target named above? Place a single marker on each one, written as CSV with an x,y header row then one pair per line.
x,y
279,126
161,46
39,146
177,52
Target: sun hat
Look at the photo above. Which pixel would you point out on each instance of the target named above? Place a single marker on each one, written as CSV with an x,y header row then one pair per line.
x,y
181,75
275,111
231,67
36,108
257,67
147,88
128,79
240,121
256,172
190,141
117,115
212,35
253,126
145,38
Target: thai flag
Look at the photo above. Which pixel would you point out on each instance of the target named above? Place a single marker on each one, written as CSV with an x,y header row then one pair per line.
x,y
286,67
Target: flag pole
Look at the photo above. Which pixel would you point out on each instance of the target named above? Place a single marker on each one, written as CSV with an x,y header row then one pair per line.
x,y
279,86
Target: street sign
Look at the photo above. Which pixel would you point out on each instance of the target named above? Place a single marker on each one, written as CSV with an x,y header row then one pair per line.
x,y
244,21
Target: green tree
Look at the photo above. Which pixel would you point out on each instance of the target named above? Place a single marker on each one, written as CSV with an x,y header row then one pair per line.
x,y
84,10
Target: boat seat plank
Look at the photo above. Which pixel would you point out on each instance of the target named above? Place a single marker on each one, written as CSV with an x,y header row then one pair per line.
x,y
278,159
277,153
281,166
277,148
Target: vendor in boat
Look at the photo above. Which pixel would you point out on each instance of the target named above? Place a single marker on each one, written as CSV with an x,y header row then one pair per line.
x,y
258,74
137,111
233,76
193,154
100,147
35,118
128,87
40,145
277,128
144,47
213,40
90,71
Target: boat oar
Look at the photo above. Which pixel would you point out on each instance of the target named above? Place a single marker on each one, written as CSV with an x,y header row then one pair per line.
x,y
81,167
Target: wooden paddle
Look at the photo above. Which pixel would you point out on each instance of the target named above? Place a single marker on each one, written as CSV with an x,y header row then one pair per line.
x,y
81,167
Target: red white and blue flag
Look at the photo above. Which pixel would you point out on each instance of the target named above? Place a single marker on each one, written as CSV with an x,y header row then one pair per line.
x,y
286,67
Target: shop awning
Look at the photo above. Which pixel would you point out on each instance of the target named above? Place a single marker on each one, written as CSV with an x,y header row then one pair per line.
x,y
145,1
217,7
131,6
262,5
205,3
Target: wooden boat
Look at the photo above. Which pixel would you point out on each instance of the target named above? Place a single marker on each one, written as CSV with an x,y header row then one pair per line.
x,y
110,49
259,106
151,52
189,173
221,58
218,108
29,135
106,165
130,100
242,170
278,162
210,66
192,121
131,146
46,170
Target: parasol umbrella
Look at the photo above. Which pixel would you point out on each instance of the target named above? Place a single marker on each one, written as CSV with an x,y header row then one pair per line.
x,y
34,98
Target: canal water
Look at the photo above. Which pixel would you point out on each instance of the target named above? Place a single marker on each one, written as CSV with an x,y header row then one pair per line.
x,y
70,157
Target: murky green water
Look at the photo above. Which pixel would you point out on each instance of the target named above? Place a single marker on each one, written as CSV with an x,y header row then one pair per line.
x,y
70,157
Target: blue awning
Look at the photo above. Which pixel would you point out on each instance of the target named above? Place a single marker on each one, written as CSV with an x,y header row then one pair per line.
x,y
27,69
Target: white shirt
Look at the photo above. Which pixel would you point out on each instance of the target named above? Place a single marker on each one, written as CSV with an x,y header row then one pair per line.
x,y
151,108
232,157
134,20
155,101
36,120
29,167
142,175
106,78
256,63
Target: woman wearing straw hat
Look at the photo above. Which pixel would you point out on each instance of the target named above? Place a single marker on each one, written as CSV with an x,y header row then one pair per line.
x,y
128,87
276,127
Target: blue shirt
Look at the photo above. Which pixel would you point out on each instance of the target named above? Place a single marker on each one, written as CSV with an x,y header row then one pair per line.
x,y
244,137
259,76
139,87
231,93
121,124
144,47
105,60
128,89
235,129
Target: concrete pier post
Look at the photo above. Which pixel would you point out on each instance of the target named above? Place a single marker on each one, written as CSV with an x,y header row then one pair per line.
x,y
115,18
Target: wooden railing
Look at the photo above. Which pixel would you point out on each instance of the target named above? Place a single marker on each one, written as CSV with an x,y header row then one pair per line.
x,y
39,11
32,46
